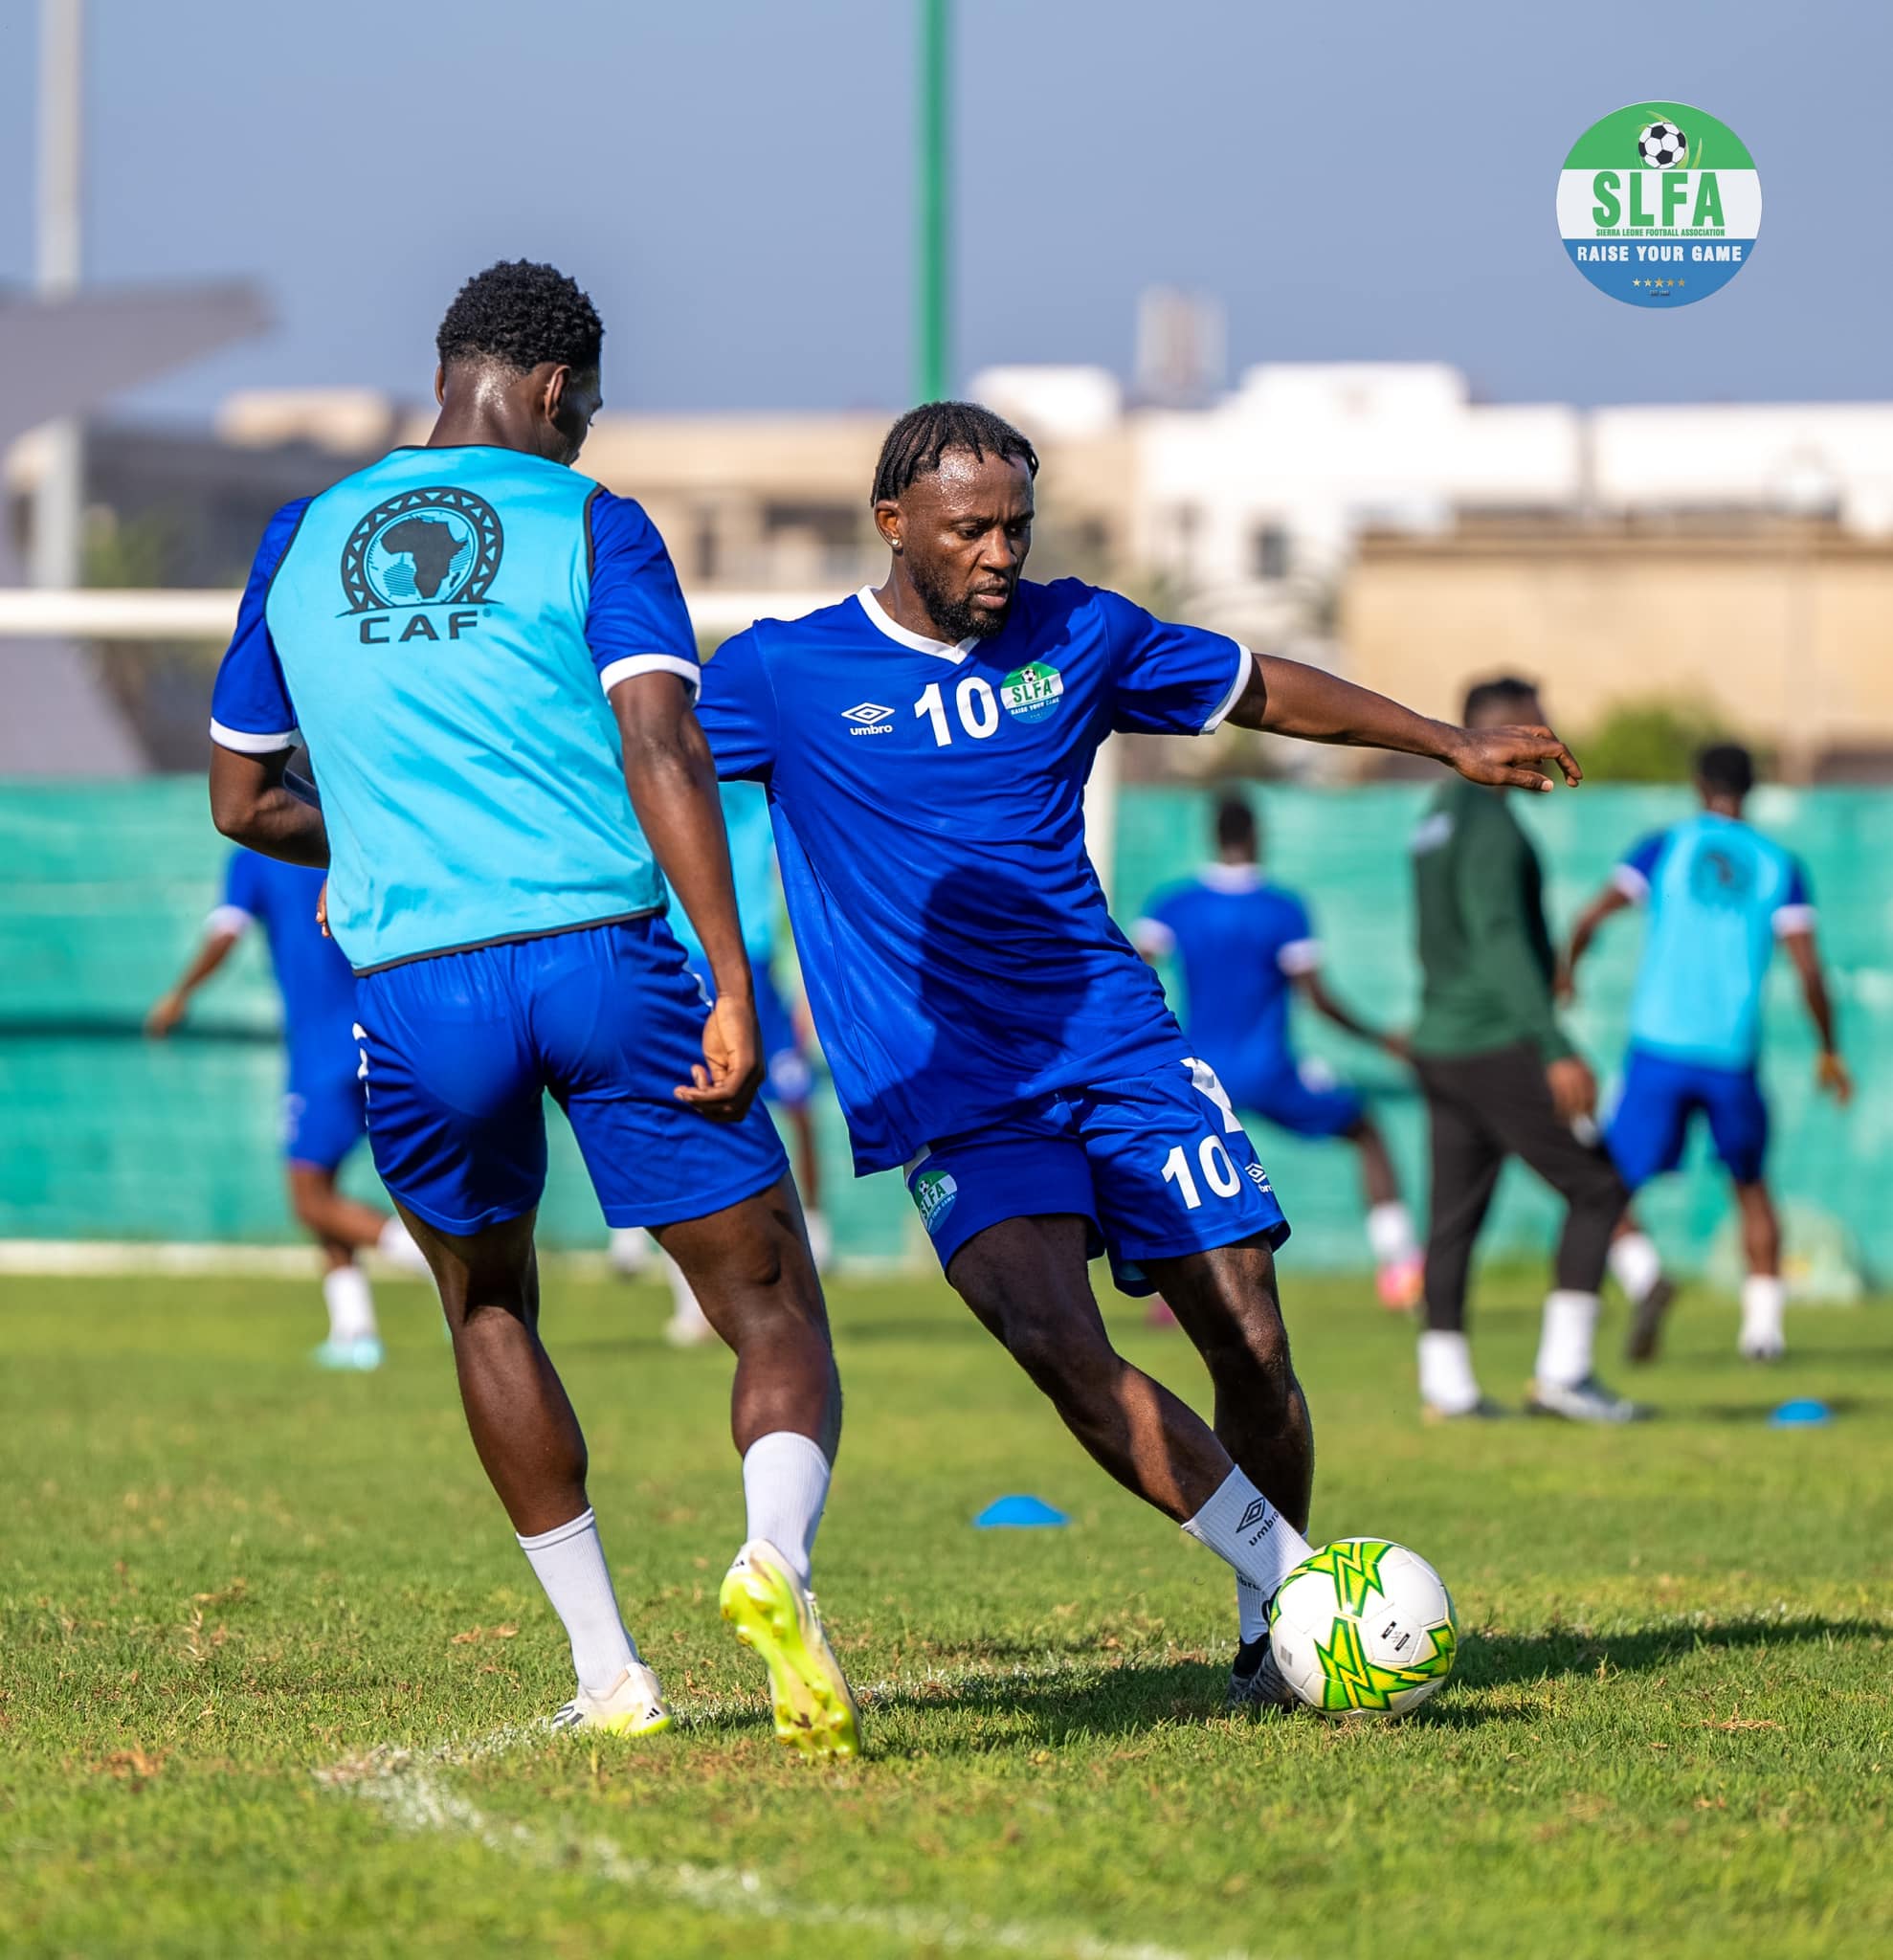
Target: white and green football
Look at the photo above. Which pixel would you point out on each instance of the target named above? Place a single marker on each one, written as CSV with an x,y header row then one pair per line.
x,y
1364,1628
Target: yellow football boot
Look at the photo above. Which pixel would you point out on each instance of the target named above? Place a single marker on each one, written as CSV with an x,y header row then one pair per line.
x,y
634,1706
775,1615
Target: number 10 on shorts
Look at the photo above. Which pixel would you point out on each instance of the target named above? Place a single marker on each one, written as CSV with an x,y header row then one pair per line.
x,y
1219,1173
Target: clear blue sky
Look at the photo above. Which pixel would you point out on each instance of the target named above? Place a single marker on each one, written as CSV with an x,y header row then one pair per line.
x,y
732,179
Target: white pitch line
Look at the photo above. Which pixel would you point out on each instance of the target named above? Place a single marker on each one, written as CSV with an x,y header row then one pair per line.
x,y
408,1786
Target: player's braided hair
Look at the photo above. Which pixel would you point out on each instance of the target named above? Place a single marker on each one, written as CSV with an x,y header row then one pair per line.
x,y
922,435
520,313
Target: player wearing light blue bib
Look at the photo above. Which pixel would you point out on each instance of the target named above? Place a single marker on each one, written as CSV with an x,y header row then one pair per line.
x,y
1720,896
490,660
925,745
324,1110
1246,946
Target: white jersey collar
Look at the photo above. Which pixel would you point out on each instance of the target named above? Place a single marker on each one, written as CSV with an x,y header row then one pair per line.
x,y
1229,878
917,641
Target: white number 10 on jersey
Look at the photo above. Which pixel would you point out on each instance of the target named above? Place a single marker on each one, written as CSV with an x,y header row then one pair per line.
x,y
978,706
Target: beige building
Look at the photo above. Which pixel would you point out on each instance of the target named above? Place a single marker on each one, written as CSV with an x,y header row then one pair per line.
x,y
1783,627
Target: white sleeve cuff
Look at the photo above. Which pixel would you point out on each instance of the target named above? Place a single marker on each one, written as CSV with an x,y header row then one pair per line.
x,y
230,919
1152,936
686,670
244,743
1792,919
1631,883
1245,666
1299,956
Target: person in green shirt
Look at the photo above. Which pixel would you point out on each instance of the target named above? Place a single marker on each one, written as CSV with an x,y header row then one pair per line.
x,y
1501,1080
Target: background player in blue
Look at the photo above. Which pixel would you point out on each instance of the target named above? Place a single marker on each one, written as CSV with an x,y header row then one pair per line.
x,y
491,664
1246,946
1720,896
323,1112
788,1080
925,746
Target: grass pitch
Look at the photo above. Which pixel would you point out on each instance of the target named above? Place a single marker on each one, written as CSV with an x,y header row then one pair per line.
x,y
269,1660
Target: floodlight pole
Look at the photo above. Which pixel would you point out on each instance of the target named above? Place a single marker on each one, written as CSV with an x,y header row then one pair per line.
x,y
60,255
933,217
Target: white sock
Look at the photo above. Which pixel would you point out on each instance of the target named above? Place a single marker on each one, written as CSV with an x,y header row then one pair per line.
x,y
784,1484
1391,1234
1764,1310
1251,1612
821,1241
1636,1264
570,1565
1241,1527
1446,1380
351,1304
1564,1340
686,1312
396,1244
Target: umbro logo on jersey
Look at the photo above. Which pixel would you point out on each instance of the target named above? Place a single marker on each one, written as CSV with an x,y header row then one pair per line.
x,y
869,717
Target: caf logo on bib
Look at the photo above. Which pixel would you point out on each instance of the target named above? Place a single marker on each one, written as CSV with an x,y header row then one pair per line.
x,y
438,547
1660,204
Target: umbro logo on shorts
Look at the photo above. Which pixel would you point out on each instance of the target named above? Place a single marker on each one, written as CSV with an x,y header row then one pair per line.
x,y
869,717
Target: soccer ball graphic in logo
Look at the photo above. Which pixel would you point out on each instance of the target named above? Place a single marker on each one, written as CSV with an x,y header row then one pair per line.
x,y
1364,1628
1662,146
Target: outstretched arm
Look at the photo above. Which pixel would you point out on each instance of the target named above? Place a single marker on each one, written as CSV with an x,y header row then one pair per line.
x,y
1286,698
256,800
210,954
1315,991
1830,1071
673,784
1610,900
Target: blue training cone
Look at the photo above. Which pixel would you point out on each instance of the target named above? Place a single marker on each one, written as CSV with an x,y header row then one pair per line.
x,y
1805,1413
1018,1512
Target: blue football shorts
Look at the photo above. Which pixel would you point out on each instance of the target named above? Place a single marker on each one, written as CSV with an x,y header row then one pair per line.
x,y
461,1050
1303,1098
1650,1124
1159,1164
324,1112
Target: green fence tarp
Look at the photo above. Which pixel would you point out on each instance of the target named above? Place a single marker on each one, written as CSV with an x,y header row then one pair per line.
x,y
105,1135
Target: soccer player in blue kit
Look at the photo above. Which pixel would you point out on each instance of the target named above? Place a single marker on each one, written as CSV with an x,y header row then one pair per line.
x,y
324,1110
925,745
1720,896
1246,947
491,662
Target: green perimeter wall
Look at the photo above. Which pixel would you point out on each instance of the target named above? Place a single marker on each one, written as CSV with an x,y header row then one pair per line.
x,y
104,1135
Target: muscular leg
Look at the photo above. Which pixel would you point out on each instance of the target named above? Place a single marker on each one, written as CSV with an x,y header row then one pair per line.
x,y
334,1221
1228,1305
521,1422
751,1272
808,1159
1379,1185
1025,1279
1761,1228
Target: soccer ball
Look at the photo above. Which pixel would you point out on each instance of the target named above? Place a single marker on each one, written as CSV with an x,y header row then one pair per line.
x,y
1364,1628
1662,146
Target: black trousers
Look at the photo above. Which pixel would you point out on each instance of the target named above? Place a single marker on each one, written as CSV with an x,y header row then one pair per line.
x,y
1484,1109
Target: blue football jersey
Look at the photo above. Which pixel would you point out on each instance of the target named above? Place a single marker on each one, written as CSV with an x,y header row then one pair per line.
x,y
745,816
928,803
1241,941
442,627
1720,894
312,973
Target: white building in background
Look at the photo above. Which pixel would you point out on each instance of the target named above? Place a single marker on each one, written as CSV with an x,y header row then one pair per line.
x,y
1249,507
